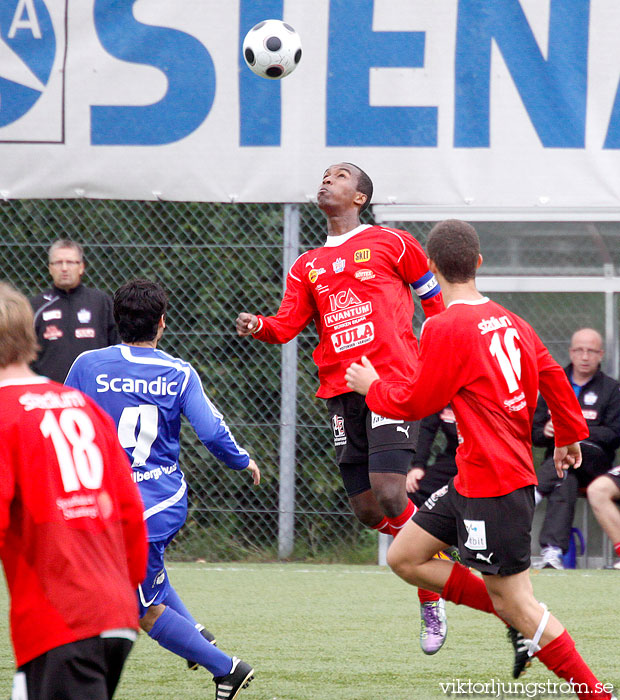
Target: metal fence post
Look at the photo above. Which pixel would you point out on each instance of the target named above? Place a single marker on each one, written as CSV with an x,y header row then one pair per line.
x,y
611,327
611,357
288,405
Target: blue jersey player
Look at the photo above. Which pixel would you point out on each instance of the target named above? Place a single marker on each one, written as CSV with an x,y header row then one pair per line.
x,y
146,391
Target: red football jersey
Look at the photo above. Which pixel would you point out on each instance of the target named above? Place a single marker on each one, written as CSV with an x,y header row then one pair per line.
x,y
356,289
72,534
488,364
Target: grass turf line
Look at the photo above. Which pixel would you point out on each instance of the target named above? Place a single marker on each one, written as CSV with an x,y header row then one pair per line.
x,y
317,632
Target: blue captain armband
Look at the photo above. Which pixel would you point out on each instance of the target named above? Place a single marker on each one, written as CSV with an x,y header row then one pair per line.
x,y
427,286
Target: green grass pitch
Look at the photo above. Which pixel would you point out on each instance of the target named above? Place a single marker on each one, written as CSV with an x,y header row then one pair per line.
x,y
331,632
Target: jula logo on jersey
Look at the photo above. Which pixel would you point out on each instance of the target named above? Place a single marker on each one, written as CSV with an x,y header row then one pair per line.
x,y
352,337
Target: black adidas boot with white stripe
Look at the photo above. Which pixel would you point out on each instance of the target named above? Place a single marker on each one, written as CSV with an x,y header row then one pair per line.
x,y
228,687
522,660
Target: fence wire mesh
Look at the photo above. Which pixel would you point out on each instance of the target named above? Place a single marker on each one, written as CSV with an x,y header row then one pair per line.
x,y
218,259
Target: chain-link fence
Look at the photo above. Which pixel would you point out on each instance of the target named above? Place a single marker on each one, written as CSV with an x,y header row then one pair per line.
x,y
216,260
559,276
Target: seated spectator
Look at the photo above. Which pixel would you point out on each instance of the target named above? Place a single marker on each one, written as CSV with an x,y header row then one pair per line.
x,y
426,474
604,496
599,397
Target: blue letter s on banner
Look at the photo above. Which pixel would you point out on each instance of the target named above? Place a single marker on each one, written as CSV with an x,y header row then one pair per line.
x,y
188,68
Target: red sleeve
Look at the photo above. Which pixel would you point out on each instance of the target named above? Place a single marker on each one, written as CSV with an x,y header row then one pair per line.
x,y
295,313
436,381
412,266
7,487
568,421
433,306
131,511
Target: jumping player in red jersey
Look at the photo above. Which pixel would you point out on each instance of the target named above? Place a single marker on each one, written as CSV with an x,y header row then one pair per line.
x,y
489,364
72,535
357,290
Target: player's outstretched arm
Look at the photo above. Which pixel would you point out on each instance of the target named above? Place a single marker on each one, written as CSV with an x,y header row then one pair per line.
x,y
567,456
252,467
359,377
296,311
246,324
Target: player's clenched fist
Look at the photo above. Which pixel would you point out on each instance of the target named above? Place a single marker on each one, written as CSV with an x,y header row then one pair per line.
x,y
246,323
359,377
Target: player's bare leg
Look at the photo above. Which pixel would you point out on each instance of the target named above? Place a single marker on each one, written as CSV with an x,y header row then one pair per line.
x,y
387,497
150,617
367,509
603,497
390,492
513,599
411,554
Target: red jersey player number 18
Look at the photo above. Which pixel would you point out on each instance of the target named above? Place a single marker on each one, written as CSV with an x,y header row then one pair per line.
x,y
72,534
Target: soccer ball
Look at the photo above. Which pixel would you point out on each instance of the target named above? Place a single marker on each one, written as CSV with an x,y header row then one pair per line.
x,y
272,49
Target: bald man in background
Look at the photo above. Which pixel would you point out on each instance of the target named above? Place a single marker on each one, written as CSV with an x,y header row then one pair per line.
x,y
599,397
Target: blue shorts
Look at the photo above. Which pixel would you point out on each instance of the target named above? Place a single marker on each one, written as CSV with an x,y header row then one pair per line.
x,y
154,589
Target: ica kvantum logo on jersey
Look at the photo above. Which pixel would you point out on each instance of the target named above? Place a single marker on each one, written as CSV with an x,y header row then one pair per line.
x,y
32,67
347,317
346,308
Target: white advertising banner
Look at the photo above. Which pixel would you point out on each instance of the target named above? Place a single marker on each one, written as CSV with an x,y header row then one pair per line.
x,y
510,103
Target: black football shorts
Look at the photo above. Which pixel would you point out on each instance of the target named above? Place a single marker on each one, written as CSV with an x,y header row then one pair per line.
x,y
358,432
89,668
493,534
614,475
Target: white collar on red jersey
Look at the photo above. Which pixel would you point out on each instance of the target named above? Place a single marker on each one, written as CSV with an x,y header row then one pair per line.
x,y
472,302
334,241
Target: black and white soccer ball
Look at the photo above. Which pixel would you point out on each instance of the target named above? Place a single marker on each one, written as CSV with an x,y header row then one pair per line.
x,y
272,49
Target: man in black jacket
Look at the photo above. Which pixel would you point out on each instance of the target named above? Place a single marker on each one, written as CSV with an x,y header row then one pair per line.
x,y
599,397
69,318
425,475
